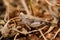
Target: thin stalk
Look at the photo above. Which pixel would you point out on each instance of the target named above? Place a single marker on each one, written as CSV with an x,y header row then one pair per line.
x,y
25,7
31,7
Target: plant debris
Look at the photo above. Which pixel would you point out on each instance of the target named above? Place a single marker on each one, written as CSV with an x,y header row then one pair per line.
x,y
29,19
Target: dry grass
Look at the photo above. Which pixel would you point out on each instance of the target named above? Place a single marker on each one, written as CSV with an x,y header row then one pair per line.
x,y
30,17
